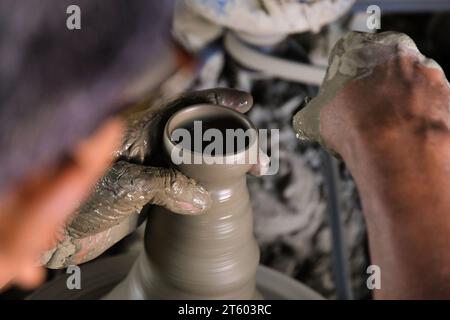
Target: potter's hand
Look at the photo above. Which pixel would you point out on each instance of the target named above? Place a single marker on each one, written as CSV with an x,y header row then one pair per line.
x,y
143,138
376,84
384,108
112,211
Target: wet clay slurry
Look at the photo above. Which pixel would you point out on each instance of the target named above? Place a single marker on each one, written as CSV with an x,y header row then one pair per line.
x,y
209,256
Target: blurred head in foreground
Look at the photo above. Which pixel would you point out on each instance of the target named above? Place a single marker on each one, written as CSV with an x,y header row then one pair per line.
x,y
60,90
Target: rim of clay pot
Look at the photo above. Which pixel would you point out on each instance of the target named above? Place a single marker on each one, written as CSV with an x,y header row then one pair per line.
x,y
198,112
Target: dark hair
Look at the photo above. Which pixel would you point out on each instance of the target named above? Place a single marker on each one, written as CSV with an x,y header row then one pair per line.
x,y
56,84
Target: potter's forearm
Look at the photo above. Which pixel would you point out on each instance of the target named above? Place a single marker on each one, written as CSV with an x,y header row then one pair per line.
x,y
403,188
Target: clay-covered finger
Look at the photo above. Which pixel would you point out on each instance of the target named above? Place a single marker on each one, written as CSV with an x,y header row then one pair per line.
x,y
239,100
178,193
306,122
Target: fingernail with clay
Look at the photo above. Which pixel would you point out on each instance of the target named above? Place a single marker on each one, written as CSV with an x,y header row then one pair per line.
x,y
194,202
244,102
201,201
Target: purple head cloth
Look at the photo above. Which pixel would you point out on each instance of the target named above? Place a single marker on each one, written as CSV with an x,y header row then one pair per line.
x,y
56,84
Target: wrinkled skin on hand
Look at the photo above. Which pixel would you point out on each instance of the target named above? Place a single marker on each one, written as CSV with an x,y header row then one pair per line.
x,y
136,179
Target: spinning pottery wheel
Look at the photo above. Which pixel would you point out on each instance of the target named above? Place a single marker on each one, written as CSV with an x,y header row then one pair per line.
x,y
101,276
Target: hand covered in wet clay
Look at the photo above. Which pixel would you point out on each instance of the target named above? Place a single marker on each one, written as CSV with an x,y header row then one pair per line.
x,y
377,87
136,179
385,109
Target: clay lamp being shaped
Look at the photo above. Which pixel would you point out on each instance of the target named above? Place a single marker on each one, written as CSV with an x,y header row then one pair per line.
x,y
213,255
